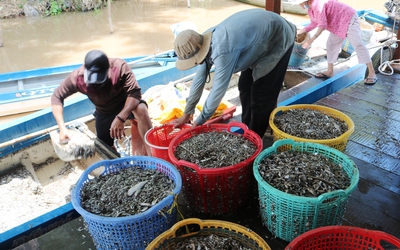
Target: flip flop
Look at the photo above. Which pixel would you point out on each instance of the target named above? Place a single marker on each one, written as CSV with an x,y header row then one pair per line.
x,y
322,75
370,80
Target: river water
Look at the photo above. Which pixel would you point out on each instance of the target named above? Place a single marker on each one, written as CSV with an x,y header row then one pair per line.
x,y
139,28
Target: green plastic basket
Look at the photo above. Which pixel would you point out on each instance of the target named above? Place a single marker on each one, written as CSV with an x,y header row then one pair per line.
x,y
286,215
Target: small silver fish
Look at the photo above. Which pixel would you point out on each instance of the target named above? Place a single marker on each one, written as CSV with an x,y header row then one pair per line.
x,y
137,188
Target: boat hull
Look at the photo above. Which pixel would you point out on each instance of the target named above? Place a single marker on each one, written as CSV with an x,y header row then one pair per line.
x,y
286,6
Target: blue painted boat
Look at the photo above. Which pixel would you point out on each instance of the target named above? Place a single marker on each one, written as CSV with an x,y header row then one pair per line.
x,y
149,71
32,89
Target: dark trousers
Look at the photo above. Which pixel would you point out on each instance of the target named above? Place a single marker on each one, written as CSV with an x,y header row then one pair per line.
x,y
103,125
259,98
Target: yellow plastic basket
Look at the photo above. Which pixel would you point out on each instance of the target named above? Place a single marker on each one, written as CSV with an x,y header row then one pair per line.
x,y
179,232
338,143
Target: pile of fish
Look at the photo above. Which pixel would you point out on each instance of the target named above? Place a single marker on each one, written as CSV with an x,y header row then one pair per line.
x,y
210,242
129,192
302,173
310,124
215,149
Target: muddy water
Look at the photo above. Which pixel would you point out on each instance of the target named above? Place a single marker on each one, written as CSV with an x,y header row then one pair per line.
x,y
139,28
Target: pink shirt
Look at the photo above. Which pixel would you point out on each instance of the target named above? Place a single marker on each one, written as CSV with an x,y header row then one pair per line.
x,y
331,15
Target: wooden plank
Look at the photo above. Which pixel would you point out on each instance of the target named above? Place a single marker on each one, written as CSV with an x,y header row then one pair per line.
x,y
377,176
359,215
377,198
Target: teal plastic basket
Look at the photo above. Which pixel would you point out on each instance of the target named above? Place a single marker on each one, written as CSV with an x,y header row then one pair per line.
x,y
286,215
129,232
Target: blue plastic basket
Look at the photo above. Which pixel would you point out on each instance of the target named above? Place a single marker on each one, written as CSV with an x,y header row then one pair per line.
x,y
286,215
130,232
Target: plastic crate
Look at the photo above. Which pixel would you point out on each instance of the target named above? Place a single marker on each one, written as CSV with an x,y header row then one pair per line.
x,y
286,215
338,143
169,239
221,190
130,232
345,238
226,115
159,138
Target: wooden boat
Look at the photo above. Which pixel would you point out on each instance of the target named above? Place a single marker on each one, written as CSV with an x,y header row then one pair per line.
x,y
25,140
286,6
32,89
289,7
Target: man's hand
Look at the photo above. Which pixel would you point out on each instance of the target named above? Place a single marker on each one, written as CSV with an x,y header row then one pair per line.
x,y
117,129
64,135
181,121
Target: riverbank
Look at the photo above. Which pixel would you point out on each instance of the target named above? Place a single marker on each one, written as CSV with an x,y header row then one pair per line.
x,y
23,8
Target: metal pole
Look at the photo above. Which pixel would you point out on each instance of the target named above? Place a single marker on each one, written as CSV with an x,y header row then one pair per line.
x,y
397,51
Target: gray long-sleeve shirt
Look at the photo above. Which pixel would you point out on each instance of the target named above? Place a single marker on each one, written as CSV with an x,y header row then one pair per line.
x,y
253,38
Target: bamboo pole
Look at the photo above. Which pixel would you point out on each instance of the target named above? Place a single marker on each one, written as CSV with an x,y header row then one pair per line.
x,y
396,56
273,5
1,38
109,17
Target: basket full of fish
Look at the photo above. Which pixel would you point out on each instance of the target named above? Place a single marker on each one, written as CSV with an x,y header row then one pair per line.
x,y
127,202
194,233
215,162
312,123
302,186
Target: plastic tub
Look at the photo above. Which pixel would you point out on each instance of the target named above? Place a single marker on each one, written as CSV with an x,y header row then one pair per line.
x,y
169,239
338,143
221,190
344,237
129,232
287,215
159,138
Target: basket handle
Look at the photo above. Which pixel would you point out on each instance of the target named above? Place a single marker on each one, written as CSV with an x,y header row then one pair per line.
x,y
334,194
338,194
283,142
388,238
184,223
235,124
104,163
183,163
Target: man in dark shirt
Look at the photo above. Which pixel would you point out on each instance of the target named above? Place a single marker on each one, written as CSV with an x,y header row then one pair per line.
x,y
112,87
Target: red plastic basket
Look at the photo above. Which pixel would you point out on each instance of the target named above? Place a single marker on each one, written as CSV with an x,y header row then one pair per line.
x,y
344,238
158,139
221,190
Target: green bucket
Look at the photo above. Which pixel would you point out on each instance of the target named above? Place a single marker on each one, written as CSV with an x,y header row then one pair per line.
x,y
288,216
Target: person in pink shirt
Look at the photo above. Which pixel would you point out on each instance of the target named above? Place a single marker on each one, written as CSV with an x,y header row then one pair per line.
x,y
341,21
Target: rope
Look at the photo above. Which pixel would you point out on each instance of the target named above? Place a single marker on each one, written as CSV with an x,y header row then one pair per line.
x,y
384,65
175,204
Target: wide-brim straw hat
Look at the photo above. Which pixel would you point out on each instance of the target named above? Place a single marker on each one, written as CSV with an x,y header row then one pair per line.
x,y
191,48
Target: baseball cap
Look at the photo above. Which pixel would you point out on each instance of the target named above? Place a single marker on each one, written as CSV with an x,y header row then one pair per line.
x,y
96,67
191,48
